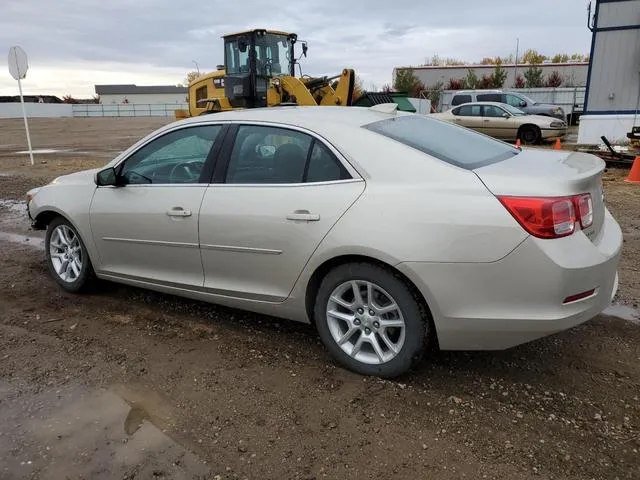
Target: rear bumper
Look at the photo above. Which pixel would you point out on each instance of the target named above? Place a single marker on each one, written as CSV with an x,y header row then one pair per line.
x,y
493,306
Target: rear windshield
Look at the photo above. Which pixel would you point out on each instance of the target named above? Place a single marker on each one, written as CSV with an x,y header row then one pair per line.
x,y
445,141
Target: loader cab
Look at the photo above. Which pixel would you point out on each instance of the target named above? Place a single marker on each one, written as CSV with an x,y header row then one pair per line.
x,y
251,59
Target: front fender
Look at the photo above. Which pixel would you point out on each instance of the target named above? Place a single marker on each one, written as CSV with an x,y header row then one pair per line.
x,y
71,202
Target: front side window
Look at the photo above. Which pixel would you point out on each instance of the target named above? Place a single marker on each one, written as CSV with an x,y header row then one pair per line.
x,y
493,111
266,155
176,157
444,141
236,60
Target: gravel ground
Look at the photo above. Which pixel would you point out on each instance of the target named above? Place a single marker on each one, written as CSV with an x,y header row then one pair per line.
x,y
126,383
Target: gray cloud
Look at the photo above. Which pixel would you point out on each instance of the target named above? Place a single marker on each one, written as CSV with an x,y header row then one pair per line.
x,y
371,36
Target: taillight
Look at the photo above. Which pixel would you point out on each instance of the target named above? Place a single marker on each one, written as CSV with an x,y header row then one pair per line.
x,y
585,210
550,217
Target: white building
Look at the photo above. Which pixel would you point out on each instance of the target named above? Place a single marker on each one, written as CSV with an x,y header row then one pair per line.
x,y
153,94
613,86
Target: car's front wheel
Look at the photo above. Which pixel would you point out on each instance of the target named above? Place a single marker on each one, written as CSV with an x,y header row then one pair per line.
x,y
530,135
67,256
370,320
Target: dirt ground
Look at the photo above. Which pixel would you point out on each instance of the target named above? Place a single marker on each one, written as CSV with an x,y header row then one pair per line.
x,y
126,383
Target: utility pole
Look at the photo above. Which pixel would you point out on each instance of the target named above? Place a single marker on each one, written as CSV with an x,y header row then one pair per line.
x,y
515,67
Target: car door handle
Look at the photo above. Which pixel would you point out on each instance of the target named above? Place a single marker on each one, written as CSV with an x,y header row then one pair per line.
x,y
487,120
178,212
303,215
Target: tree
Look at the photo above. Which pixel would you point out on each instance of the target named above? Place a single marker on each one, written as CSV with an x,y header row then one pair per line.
x,y
486,81
386,88
499,74
487,61
533,77
471,81
519,83
554,80
191,76
456,84
560,58
407,81
437,60
533,57
358,89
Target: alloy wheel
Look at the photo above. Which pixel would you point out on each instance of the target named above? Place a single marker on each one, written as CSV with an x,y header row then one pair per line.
x,y
365,322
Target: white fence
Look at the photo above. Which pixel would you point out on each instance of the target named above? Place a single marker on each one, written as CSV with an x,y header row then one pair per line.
x,y
35,110
128,109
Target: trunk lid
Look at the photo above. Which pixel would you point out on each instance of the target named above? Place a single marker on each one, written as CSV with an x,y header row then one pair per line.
x,y
544,173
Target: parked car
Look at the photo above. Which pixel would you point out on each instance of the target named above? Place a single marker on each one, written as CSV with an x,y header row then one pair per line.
x,y
517,100
384,229
505,122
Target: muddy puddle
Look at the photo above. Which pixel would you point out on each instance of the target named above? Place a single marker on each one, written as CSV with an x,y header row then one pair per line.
x,y
71,432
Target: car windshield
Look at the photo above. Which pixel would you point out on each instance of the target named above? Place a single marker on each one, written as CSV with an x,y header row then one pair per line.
x,y
447,142
529,101
512,110
272,54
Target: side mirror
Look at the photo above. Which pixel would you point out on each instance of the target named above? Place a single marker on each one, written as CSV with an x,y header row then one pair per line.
x,y
523,103
506,115
304,48
106,177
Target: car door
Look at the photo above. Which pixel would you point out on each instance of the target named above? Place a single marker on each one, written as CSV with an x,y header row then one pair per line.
x,y
469,116
146,228
279,193
498,123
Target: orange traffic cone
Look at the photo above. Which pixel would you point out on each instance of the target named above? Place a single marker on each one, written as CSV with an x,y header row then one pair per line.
x,y
557,145
517,143
634,174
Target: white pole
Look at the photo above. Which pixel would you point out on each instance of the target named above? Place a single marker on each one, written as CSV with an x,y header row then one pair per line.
x,y
26,124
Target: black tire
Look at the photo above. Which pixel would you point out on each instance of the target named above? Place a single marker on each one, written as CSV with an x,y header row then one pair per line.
x,y
530,135
417,329
85,276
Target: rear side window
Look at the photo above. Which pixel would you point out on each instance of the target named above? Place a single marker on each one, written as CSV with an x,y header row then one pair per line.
x,y
490,97
460,99
263,155
447,142
468,111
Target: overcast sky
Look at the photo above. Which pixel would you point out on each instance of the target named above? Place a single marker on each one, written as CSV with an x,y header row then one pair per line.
x,y
75,44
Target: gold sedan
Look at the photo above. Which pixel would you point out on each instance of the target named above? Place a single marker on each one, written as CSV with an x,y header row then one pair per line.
x,y
505,122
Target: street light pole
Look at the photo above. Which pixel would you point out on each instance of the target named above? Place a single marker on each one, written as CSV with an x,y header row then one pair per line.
x,y
515,67
197,67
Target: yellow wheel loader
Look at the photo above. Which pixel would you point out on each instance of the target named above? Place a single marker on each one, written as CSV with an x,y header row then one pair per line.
x,y
259,71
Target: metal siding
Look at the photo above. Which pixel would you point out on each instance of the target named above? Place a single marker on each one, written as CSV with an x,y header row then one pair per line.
x,y
616,14
615,70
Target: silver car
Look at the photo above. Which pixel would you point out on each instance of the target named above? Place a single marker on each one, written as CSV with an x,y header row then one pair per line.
x,y
384,229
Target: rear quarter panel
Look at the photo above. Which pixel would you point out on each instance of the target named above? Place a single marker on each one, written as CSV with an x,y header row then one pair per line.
x,y
415,208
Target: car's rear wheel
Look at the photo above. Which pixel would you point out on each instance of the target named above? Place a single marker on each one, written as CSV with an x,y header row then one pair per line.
x,y
529,135
370,320
67,256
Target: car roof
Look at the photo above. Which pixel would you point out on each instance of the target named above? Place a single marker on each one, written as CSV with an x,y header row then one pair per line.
x,y
496,104
466,92
307,117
